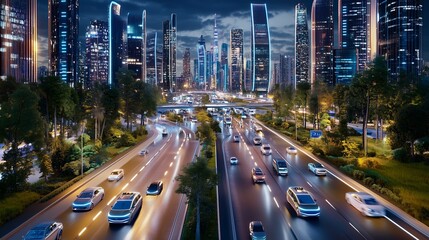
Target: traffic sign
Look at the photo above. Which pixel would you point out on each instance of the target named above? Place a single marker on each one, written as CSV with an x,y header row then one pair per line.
x,y
315,133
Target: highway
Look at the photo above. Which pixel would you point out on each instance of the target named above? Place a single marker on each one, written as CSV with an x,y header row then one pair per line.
x,y
244,201
161,217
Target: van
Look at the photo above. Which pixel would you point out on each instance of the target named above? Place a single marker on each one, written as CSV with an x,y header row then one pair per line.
x,y
280,167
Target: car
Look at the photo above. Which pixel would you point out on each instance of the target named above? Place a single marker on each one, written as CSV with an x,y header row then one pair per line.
x,y
116,175
256,230
266,149
143,152
280,166
155,188
236,138
366,204
46,230
233,160
88,198
258,175
126,208
164,132
291,150
317,168
243,116
257,128
257,141
302,202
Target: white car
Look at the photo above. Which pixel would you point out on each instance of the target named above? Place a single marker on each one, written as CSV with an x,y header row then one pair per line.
x,y
317,169
366,204
266,149
143,152
88,198
257,141
116,175
236,138
233,160
291,150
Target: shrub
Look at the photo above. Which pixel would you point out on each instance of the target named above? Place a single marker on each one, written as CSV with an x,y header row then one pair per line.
x,y
371,154
335,151
371,164
376,187
395,197
318,151
14,205
369,181
400,154
125,140
358,174
337,161
140,131
349,168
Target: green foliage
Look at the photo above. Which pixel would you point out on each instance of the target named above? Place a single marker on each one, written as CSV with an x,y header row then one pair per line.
x,y
205,99
73,168
140,131
400,154
125,140
15,204
333,150
358,174
369,181
350,148
99,158
349,168
370,163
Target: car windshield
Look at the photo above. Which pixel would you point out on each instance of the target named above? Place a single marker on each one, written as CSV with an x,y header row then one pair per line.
x,y
153,187
370,201
291,148
281,164
258,172
35,234
305,199
121,205
115,173
85,195
258,228
318,165
267,148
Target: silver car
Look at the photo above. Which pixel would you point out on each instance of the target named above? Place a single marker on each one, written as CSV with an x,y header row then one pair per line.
x,y
126,208
88,198
46,230
317,168
366,204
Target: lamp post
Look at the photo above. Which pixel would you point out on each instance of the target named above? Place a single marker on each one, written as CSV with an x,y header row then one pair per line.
x,y
81,147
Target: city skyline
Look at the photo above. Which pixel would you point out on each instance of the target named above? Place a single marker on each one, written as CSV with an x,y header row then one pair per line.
x,y
229,15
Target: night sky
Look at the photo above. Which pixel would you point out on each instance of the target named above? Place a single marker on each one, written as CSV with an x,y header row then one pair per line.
x,y
195,18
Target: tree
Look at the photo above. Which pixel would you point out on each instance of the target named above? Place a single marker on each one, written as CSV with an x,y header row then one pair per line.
x,y
196,181
20,122
147,96
302,93
128,95
111,107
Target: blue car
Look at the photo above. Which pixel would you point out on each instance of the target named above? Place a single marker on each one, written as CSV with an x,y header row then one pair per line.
x,y
46,230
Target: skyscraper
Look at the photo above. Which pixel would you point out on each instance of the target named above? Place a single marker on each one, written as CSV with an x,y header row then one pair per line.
x,y
400,36
322,40
215,50
18,38
135,45
97,53
352,26
201,74
63,30
302,50
152,58
236,60
224,74
116,42
286,70
260,49
187,68
144,46
345,65
169,53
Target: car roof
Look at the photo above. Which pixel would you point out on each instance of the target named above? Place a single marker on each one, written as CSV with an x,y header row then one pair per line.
x,y
156,183
128,195
118,169
90,189
42,226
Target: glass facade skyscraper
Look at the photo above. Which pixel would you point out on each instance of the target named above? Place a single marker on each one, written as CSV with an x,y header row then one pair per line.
x,y
345,65
18,40
400,36
135,45
260,49
201,73
322,40
187,68
224,72
63,30
169,48
302,48
152,58
96,53
116,42
236,60
286,70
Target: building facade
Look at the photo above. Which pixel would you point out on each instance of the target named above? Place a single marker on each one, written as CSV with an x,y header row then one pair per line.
x,y
236,59
135,45
169,49
18,38
96,53
260,49
63,37
302,46
345,65
286,70
400,36
201,66
224,72
117,38
187,68
152,58
322,40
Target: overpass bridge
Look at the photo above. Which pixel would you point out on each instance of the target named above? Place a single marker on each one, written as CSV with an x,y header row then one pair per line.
x,y
214,105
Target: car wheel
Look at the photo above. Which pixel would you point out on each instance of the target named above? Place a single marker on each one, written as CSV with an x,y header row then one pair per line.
x,y
60,234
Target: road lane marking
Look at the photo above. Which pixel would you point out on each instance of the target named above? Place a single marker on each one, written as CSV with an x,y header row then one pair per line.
x,y
81,232
111,200
309,184
175,157
403,229
96,216
269,189
133,177
141,169
330,204
165,174
126,185
171,164
276,202
354,228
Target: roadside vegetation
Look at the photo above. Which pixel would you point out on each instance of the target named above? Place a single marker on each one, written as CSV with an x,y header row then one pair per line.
x,y
198,182
396,167
48,123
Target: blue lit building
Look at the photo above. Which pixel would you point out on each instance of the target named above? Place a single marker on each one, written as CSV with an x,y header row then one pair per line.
x,y
236,75
63,30
18,38
135,45
96,53
116,42
400,36
169,49
201,73
302,47
260,49
152,58
224,72
345,65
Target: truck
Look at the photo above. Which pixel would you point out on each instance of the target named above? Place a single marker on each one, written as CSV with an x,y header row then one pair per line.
x,y
280,166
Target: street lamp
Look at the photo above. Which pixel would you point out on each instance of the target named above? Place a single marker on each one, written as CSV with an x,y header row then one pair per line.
x,y
81,147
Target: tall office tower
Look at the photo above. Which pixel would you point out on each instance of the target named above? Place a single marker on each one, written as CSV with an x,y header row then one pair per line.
x,y
144,45
322,40
224,75
345,65
201,73
116,42
42,72
302,47
82,80
286,70
372,30
159,59
211,84
169,49
352,26
187,68
63,31
135,45
236,60
248,75
276,73
215,48
261,49
151,59
18,39
196,77
97,53
400,36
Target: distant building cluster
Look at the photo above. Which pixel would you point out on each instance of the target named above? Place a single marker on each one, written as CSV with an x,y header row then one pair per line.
x,y
366,28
